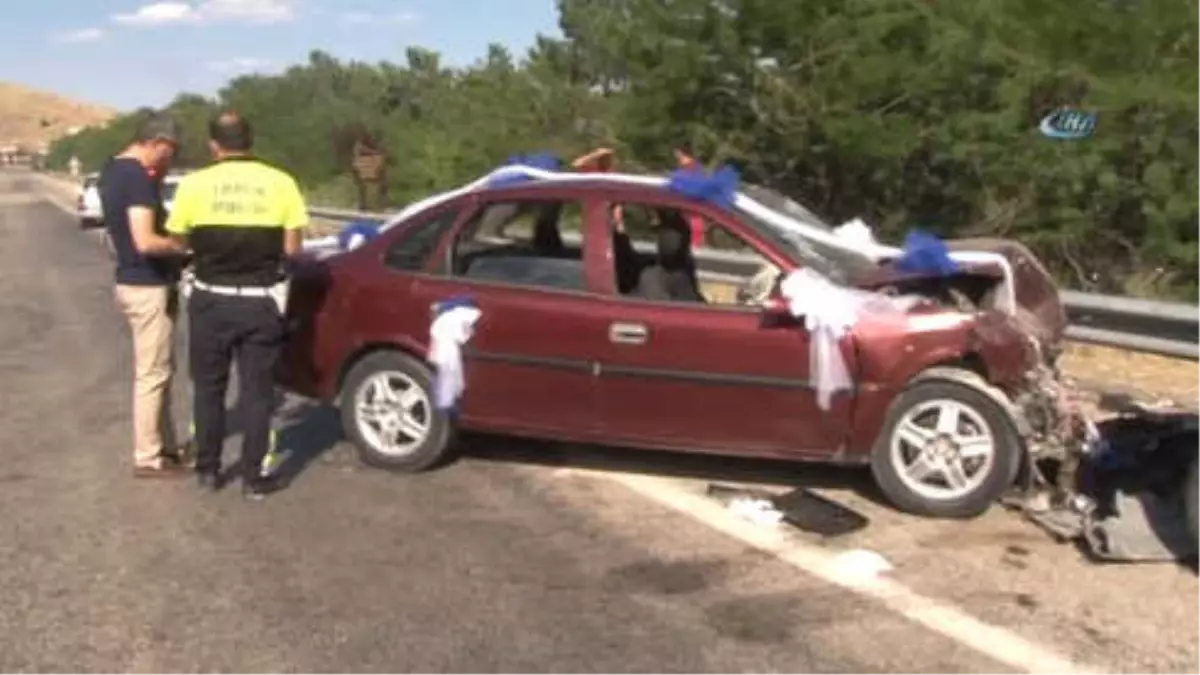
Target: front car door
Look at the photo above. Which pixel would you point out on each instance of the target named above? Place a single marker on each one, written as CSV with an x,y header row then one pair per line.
x,y
710,376
530,365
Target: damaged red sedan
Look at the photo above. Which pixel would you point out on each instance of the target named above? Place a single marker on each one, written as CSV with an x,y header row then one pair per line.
x,y
599,322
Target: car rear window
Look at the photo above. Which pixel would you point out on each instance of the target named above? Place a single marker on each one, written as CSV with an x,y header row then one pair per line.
x,y
418,241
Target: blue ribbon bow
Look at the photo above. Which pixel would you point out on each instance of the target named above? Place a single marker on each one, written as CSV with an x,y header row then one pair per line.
x,y
442,306
926,253
539,160
719,188
366,229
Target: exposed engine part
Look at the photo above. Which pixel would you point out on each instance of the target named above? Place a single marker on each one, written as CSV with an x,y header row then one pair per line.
x,y
953,293
1130,494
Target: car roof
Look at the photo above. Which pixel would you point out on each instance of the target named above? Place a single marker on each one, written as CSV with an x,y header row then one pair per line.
x,y
557,186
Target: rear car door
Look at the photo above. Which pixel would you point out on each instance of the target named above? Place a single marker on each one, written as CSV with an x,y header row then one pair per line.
x,y
712,376
530,364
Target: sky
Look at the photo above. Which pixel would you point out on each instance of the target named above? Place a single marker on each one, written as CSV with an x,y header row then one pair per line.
x,y
129,53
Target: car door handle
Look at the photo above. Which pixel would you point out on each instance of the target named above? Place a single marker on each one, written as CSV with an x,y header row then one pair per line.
x,y
627,333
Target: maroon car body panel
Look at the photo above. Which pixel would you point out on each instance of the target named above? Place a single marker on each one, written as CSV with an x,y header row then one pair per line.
x,y
542,361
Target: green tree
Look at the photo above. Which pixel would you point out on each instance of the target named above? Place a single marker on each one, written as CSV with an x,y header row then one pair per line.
x,y
903,112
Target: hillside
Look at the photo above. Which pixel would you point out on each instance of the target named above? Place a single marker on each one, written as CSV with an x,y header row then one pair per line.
x,y
32,118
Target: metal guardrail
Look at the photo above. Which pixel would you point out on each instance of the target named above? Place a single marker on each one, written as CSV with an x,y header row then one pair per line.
x,y
1151,326
1167,328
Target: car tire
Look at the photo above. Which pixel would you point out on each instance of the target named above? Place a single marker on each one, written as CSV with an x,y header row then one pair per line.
x,y
361,391
894,467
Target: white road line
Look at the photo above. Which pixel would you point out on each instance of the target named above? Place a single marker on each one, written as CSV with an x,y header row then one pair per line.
x,y
995,642
70,211
54,199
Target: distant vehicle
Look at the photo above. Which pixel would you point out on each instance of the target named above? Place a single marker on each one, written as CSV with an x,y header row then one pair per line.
x,y
947,405
169,185
88,203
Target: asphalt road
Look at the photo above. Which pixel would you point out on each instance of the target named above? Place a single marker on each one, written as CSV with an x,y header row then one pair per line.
x,y
520,557
478,567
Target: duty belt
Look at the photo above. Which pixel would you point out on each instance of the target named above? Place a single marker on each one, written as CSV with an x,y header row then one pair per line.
x,y
245,291
277,292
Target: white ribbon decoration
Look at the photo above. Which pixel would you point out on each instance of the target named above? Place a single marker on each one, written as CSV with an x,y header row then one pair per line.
x,y
830,312
449,331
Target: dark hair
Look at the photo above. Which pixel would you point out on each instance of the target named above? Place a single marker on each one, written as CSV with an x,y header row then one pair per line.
x,y
231,132
155,126
685,146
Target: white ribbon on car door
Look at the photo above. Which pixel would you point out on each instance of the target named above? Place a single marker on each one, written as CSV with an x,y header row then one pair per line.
x,y
830,312
449,331
279,295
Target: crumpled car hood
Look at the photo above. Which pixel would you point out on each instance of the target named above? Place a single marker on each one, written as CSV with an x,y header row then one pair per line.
x,y
1038,301
1040,309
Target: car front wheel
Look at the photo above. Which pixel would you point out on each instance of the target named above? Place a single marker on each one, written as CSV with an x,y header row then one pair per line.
x,y
947,450
388,413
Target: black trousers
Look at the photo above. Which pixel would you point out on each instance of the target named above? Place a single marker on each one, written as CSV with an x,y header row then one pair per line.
x,y
223,328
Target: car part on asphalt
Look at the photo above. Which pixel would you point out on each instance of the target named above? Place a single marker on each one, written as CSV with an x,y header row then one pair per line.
x,y
810,512
1130,494
801,508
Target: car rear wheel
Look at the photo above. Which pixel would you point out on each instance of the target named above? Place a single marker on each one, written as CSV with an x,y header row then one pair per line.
x,y
946,450
388,413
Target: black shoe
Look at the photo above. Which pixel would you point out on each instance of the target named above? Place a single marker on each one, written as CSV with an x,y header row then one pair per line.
x,y
208,482
257,489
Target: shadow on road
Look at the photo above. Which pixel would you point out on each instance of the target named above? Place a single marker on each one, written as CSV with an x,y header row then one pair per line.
x,y
309,430
306,431
669,464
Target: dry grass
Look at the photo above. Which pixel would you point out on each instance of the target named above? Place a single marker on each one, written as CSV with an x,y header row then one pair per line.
x,y
31,118
1146,376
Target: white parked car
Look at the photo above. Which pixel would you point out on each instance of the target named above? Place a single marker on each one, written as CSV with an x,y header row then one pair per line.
x,y
90,213
88,203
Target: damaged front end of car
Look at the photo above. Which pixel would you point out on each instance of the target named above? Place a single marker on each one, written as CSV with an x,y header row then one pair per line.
x,y
1120,479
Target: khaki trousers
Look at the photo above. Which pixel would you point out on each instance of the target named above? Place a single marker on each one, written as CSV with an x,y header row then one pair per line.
x,y
151,312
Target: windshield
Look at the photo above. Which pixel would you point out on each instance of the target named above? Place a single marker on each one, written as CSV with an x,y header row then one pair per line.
x,y
839,265
778,202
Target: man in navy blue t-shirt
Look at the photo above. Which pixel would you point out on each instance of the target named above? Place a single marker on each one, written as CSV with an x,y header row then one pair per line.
x,y
148,266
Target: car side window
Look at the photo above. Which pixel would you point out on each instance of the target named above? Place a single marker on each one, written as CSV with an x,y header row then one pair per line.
x,y
411,251
724,270
523,242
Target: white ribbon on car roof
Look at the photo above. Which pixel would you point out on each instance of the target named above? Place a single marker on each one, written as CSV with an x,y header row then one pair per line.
x,y
876,251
